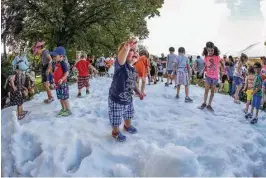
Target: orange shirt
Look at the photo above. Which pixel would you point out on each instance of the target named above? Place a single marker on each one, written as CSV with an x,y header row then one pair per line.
x,y
142,65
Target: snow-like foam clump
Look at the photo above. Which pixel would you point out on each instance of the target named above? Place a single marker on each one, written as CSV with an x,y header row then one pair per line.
x,y
172,161
120,170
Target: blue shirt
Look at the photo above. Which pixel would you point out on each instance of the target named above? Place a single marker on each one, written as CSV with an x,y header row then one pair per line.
x,y
123,84
182,64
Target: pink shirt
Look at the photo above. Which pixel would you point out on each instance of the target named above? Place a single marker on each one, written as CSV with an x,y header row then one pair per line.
x,y
212,66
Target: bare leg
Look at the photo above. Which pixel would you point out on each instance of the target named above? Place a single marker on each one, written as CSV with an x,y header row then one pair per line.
x,y
237,92
62,104
19,108
247,106
207,88
186,90
178,89
127,122
212,94
66,104
138,79
143,83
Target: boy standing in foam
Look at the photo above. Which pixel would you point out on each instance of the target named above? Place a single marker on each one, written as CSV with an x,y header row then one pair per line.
x,y
120,101
249,82
83,67
211,62
183,72
171,59
257,94
60,78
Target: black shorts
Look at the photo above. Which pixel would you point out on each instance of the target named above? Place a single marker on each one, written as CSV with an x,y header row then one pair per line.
x,y
101,69
44,76
152,72
199,76
224,78
160,74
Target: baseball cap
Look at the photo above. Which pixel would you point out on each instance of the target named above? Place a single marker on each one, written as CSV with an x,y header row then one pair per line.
x,y
59,51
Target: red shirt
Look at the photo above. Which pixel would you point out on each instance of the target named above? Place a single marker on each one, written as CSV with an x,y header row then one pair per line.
x,y
59,71
83,68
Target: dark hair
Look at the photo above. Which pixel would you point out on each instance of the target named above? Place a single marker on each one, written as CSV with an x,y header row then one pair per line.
x,y
209,44
198,57
251,70
82,56
172,49
257,65
216,51
144,53
227,63
181,50
243,57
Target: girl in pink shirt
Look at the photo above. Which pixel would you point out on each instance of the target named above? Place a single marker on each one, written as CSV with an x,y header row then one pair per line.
x,y
211,68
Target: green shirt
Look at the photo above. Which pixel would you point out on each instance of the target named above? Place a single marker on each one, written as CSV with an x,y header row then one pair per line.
x,y
257,84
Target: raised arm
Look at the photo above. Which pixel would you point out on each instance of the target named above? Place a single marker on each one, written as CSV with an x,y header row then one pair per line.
x,y
124,50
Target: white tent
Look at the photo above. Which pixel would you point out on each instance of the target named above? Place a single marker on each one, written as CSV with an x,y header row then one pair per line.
x,y
255,50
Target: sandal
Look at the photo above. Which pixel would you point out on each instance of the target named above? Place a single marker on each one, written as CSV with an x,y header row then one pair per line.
x,y
21,117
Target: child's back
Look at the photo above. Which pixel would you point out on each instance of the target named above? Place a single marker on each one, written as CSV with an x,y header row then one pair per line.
x,y
182,63
171,59
82,67
250,81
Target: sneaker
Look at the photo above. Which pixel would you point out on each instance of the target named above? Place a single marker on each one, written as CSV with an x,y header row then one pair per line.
x,y
66,113
254,121
202,106
161,80
155,82
130,129
119,136
171,83
175,86
87,92
79,95
188,100
209,108
61,111
167,84
177,96
248,115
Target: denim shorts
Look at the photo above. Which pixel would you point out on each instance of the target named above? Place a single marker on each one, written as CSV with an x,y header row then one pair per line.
x,y
170,72
256,101
211,81
237,81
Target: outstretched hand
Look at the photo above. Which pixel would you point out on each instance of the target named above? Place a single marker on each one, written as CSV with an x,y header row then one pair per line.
x,y
130,44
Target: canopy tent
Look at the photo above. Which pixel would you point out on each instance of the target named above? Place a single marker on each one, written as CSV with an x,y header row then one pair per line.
x,y
255,50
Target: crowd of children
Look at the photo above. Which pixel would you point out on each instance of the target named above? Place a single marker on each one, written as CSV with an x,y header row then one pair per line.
x,y
131,67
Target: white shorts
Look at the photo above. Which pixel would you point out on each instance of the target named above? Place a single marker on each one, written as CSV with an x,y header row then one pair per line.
x,y
182,78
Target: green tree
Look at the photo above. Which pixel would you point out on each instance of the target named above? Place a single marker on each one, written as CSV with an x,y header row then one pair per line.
x,y
94,26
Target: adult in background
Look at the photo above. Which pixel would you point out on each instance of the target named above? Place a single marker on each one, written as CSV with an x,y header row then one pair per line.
x,y
198,67
46,61
21,61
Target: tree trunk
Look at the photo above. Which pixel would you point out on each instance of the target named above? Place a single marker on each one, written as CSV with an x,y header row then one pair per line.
x,y
5,53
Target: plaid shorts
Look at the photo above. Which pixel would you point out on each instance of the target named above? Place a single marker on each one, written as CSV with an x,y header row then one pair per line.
x,y
83,81
117,112
62,91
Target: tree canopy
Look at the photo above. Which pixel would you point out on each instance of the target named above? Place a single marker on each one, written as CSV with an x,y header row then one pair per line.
x,y
94,26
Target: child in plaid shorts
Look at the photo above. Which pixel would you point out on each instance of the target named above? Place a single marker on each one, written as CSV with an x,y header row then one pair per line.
x,y
120,102
83,67
60,79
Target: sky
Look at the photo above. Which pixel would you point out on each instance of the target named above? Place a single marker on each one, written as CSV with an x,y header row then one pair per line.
x,y
230,24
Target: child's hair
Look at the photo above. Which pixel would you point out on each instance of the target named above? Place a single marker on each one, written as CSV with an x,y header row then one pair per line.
x,y
251,70
181,50
243,57
172,49
198,57
144,53
231,58
82,56
210,45
227,63
257,65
